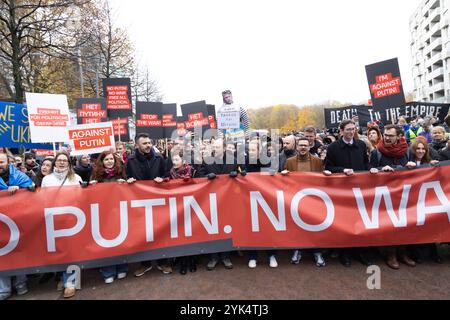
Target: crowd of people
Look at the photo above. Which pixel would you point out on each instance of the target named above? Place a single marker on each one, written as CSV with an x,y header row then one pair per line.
x,y
350,150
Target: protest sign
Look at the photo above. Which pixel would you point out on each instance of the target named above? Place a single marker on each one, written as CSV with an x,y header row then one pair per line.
x,y
91,138
117,92
15,128
149,119
48,115
385,83
91,111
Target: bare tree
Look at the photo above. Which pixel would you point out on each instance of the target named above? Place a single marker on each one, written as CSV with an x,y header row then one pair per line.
x,y
28,28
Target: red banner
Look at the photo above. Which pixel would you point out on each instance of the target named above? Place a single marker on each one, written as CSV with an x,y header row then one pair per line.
x,y
71,225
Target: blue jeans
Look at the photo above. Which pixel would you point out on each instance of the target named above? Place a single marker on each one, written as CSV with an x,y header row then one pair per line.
x,y
253,255
6,283
113,271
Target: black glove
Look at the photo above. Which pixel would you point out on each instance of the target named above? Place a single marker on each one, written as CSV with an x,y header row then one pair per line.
x,y
32,188
243,173
233,174
211,176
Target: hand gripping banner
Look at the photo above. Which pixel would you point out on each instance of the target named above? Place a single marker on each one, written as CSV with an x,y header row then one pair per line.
x,y
109,224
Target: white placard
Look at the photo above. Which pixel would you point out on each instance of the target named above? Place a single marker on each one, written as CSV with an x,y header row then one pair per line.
x,y
49,117
91,138
228,117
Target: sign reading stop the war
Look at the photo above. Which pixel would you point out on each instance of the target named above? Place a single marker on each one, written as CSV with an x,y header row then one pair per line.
x,y
385,84
118,97
91,138
48,115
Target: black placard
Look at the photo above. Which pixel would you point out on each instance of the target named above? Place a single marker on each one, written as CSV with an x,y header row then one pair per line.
x,y
117,92
194,115
385,84
91,110
149,119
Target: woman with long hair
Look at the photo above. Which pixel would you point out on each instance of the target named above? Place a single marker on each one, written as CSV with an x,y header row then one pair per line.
x,y
63,175
109,168
420,154
45,170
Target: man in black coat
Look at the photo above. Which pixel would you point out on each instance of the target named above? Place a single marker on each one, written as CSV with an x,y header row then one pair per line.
x,y
289,151
220,163
445,154
146,164
348,155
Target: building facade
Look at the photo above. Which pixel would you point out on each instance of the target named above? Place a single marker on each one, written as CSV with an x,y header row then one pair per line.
x,y
430,50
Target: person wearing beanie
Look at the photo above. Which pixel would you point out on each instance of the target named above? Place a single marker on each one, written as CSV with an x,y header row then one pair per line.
x,y
31,166
83,167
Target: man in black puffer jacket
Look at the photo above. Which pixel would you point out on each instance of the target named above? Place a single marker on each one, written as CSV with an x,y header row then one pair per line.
x,y
146,164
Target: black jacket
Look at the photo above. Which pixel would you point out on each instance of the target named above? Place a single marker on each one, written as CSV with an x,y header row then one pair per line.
x,y
315,150
84,172
444,155
380,160
438,146
284,158
146,167
342,156
219,169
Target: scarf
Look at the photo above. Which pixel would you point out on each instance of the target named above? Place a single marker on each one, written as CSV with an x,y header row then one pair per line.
x,y
60,175
110,173
396,151
181,173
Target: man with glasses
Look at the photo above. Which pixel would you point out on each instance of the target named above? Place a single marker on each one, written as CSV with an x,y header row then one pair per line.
x,y
305,162
392,153
349,155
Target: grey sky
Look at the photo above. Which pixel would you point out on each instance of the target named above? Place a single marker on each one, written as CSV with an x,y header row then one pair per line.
x,y
267,52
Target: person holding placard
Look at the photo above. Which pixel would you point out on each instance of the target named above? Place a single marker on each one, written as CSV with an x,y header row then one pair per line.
x,y
233,119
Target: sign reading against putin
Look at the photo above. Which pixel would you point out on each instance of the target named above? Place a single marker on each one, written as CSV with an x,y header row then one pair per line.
x,y
385,83
91,138
49,118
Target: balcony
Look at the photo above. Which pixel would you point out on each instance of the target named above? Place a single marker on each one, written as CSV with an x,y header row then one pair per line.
x,y
433,14
436,73
434,59
438,87
433,45
446,53
439,100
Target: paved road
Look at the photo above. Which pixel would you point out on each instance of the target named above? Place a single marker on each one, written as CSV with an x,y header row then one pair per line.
x,y
427,281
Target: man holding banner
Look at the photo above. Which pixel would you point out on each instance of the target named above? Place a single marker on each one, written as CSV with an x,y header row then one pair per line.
x,y
12,180
348,155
